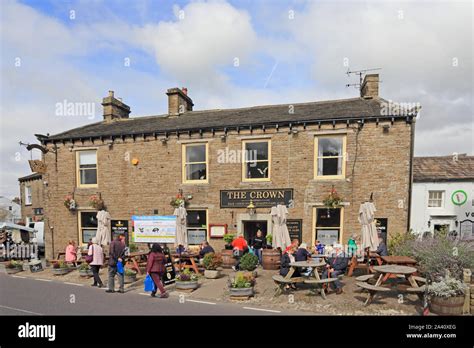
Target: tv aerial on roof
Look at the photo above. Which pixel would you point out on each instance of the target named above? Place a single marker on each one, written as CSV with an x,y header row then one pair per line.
x,y
361,73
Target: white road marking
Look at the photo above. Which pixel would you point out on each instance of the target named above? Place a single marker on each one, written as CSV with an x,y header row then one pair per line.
x,y
14,276
143,293
262,310
20,310
74,284
44,280
205,302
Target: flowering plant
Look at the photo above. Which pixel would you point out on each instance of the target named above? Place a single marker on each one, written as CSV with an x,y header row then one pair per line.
x,y
187,276
69,202
242,280
96,202
333,200
447,287
178,201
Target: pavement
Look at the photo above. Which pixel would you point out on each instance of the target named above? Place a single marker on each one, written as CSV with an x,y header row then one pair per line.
x,y
22,295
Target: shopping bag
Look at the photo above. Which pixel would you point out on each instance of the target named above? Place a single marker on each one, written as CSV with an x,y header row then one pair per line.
x,y
149,284
120,267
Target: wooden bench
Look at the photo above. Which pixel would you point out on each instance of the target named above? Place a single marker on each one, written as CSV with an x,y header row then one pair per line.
x,y
364,278
420,291
319,285
282,282
419,279
372,289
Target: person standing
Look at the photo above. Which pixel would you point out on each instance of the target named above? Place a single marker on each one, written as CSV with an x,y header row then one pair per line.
x,y
95,250
116,254
240,246
71,253
258,244
155,268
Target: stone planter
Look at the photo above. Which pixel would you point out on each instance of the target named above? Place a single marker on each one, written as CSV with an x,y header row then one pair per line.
x,y
241,292
191,285
447,305
87,273
60,271
13,270
127,279
212,274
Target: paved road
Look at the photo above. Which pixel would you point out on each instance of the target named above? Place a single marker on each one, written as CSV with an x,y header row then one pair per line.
x,y
29,296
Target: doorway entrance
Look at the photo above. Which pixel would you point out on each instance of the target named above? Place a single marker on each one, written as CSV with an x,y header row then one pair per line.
x,y
251,228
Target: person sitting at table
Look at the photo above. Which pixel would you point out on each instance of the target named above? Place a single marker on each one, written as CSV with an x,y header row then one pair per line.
x,y
294,243
71,252
240,247
287,258
319,247
302,254
180,249
336,265
382,249
205,249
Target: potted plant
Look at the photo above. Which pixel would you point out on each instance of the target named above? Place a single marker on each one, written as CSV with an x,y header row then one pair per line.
x,y
96,202
333,200
187,280
85,270
13,267
70,203
269,238
447,296
212,263
129,276
178,201
61,268
228,238
249,262
242,284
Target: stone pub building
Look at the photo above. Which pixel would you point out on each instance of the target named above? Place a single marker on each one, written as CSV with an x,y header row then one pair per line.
x,y
296,153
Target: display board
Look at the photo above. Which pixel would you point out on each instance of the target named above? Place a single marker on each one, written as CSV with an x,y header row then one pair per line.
x,y
154,229
295,229
196,236
118,227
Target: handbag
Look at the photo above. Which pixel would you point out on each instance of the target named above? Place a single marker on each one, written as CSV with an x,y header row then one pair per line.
x,y
90,258
120,267
149,284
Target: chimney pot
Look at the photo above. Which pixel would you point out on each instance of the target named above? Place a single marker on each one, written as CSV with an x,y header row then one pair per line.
x,y
178,101
185,90
114,108
111,93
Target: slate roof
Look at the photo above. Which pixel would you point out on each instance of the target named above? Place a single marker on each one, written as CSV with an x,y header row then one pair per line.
x,y
34,176
443,168
344,109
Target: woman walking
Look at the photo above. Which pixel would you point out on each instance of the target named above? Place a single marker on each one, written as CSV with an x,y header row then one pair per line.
x,y
155,267
71,253
95,250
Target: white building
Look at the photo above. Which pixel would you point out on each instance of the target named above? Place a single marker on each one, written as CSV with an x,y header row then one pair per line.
x,y
9,210
443,194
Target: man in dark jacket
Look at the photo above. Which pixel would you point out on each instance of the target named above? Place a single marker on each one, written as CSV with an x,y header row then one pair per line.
x,y
382,249
205,249
336,265
116,254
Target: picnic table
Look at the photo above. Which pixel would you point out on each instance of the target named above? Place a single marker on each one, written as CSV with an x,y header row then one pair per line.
x,y
135,258
398,260
371,258
313,278
186,257
385,272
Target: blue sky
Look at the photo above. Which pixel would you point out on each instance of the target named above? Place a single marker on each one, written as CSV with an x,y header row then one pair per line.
x,y
288,51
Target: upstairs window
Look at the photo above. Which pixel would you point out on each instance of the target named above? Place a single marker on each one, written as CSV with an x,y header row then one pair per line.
x,y
195,163
86,164
435,199
256,160
330,157
28,199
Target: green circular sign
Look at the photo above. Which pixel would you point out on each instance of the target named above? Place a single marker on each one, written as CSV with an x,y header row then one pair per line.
x,y
459,197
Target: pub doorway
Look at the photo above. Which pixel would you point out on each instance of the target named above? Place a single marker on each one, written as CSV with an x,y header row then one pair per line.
x,y
251,228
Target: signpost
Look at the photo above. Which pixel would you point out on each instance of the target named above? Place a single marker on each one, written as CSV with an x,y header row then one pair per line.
x,y
118,227
169,276
154,229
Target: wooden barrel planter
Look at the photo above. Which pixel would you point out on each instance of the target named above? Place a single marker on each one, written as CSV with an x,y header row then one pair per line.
x,y
447,305
270,259
228,258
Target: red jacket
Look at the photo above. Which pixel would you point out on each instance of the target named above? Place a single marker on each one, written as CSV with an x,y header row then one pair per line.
x,y
156,263
240,243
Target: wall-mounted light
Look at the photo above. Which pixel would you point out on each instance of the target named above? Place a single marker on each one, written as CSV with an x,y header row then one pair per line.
x,y
251,208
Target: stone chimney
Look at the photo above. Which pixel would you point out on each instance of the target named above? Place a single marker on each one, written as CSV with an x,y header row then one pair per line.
x,y
114,109
178,101
370,86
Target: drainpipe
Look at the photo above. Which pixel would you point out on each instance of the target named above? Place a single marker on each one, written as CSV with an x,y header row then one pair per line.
x,y
410,183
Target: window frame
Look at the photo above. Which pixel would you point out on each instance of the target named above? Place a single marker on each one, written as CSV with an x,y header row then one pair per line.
x,y
79,224
316,157
432,199
341,224
184,163
78,169
28,195
244,160
199,228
